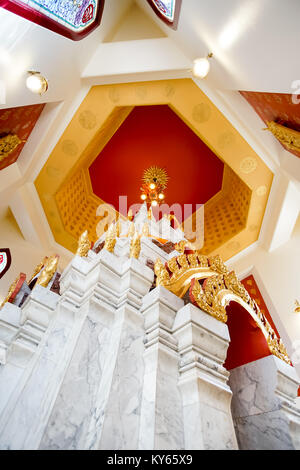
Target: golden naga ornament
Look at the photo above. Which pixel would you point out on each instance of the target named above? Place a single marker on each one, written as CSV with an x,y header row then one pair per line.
x,y
180,246
219,288
135,246
84,244
288,137
8,143
110,239
48,271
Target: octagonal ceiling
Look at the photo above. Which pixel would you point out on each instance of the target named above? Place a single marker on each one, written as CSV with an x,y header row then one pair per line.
x,y
155,135
233,215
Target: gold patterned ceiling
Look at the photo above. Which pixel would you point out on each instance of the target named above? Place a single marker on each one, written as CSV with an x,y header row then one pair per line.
x,y
232,217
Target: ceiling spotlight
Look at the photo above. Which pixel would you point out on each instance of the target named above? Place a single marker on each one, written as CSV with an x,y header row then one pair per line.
x,y
201,66
161,196
143,197
36,83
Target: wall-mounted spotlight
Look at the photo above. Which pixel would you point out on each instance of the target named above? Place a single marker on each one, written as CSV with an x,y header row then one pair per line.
x,y
36,83
201,66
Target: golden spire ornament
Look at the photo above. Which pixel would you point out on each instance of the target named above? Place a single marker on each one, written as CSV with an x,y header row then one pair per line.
x,y
110,239
48,271
135,246
84,244
145,230
131,230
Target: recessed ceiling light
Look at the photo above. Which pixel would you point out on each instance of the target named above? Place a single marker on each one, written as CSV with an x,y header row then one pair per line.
x,y
36,83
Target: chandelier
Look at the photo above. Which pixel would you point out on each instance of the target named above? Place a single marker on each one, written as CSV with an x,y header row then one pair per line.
x,y
154,182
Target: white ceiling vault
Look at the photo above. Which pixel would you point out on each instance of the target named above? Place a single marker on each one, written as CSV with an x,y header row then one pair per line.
x,y
254,42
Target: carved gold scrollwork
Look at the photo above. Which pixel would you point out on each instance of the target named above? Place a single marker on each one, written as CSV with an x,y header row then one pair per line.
x,y
135,246
110,239
162,275
48,271
206,297
8,144
290,138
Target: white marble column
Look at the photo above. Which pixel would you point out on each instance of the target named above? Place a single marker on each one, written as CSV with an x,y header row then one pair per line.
x,y
263,406
98,405
60,319
206,397
161,425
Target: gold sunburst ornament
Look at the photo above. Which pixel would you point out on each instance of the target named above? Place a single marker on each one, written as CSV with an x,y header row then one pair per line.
x,y
156,175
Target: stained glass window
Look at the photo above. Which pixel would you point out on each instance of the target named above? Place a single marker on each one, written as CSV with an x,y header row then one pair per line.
x,y
168,10
71,18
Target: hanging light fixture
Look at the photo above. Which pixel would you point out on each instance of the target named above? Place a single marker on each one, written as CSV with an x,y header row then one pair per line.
x,y
201,66
36,83
155,181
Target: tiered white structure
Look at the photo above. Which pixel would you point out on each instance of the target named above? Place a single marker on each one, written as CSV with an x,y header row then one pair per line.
x,y
111,364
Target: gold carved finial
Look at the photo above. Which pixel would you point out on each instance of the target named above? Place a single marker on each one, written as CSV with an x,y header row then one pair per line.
x,y
135,246
131,230
162,275
84,244
48,271
118,228
130,215
110,239
145,230
38,268
297,306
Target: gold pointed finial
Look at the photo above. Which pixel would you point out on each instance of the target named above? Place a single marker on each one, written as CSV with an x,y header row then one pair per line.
x,y
38,269
130,214
118,228
297,306
131,230
110,239
135,246
84,244
145,230
162,275
48,271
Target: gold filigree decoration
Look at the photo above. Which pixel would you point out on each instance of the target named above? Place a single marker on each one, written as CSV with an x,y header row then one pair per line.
x,y
110,239
207,299
84,244
8,144
216,263
48,271
135,246
288,137
154,174
173,265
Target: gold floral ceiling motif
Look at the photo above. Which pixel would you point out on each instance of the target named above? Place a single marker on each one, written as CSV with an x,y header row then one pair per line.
x,y
232,218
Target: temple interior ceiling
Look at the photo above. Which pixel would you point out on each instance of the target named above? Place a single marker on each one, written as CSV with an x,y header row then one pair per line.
x,y
233,213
